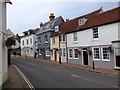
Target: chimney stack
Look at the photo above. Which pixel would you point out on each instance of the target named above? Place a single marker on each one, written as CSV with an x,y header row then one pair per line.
x,y
52,17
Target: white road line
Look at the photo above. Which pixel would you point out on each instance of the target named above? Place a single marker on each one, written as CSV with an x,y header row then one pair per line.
x,y
25,78
99,83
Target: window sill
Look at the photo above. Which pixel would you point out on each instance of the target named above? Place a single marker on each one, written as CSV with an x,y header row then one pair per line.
x,y
95,40
70,58
96,59
46,42
47,56
62,42
75,42
76,58
105,60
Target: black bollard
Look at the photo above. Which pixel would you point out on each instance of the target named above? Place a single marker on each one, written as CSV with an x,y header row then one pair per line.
x,y
93,66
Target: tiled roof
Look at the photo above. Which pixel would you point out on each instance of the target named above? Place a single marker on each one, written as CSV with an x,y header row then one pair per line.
x,y
107,17
96,18
72,24
54,34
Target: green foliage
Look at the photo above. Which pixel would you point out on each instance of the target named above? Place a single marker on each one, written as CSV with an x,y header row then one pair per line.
x,y
9,42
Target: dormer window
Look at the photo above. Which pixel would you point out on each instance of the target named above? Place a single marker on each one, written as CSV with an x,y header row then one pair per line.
x,y
56,28
82,21
28,32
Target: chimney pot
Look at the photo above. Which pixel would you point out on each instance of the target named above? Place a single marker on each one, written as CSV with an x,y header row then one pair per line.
x,y
52,17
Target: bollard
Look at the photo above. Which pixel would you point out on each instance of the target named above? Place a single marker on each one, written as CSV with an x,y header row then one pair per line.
x,y
93,66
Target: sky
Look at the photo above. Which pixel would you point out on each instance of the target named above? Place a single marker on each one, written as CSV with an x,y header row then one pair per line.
x,y
27,14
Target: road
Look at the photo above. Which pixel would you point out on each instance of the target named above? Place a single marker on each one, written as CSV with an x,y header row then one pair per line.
x,y
45,75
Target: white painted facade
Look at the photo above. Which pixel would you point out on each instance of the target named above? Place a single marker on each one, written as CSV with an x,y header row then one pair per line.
x,y
3,48
106,33
17,45
30,48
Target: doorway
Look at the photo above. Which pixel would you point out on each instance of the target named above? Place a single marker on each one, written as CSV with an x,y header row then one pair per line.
x,y
85,57
117,61
117,58
55,55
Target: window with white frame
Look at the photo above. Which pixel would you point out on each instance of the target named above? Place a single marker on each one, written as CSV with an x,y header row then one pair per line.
x,y
47,53
23,42
105,54
53,40
95,33
56,28
81,21
70,53
60,38
96,53
46,38
76,55
52,52
27,41
64,52
75,36
39,52
64,38
60,52
39,39
31,40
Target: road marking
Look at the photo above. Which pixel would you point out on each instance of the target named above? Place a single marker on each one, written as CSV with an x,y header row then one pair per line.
x,y
99,83
25,78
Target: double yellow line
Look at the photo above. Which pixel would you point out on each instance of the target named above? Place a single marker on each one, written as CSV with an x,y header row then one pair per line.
x,y
25,78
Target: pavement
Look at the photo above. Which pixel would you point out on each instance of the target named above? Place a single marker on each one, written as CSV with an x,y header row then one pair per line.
x,y
15,80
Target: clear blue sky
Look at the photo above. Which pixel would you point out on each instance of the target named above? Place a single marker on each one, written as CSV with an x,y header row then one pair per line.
x,y
25,15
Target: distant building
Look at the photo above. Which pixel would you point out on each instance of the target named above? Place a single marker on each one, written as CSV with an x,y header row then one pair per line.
x,y
43,36
28,43
16,49
3,48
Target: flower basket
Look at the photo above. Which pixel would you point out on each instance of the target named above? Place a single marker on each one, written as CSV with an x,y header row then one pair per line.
x,y
109,48
78,51
89,51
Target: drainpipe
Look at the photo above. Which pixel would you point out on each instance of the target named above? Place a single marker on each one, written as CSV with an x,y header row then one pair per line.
x,y
59,49
66,50
93,65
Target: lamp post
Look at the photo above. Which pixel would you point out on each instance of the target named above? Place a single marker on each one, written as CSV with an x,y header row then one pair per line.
x,y
59,49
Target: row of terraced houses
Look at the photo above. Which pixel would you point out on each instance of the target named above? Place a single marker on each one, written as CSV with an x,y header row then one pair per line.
x,y
84,40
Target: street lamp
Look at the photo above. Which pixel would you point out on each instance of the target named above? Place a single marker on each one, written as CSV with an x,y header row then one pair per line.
x,y
59,49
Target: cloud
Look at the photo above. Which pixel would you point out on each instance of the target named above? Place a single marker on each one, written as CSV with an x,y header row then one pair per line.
x,y
25,15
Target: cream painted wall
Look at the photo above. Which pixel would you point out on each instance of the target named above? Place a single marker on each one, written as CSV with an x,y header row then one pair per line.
x,y
56,45
107,33
52,46
3,49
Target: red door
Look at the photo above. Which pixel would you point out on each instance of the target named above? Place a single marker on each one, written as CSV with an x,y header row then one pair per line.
x,y
55,55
